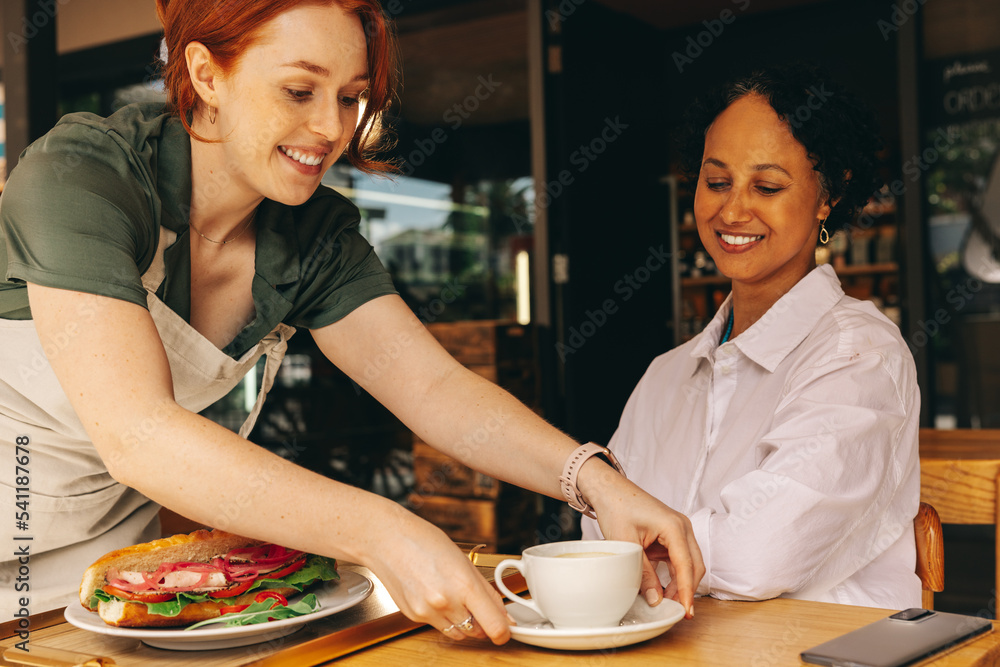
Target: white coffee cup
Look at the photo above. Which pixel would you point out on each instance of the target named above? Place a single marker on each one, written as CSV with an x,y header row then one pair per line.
x,y
578,584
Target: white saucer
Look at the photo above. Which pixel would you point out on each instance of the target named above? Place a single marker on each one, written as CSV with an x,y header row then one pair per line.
x,y
332,596
642,622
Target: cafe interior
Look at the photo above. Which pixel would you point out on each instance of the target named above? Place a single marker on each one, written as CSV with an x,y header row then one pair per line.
x,y
541,229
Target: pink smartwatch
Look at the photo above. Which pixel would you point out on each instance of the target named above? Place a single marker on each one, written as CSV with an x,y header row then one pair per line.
x,y
575,461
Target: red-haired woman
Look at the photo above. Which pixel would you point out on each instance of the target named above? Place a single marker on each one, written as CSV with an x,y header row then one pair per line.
x,y
153,256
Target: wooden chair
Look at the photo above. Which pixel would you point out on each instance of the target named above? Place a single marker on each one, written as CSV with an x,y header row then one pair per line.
x,y
959,477
930,553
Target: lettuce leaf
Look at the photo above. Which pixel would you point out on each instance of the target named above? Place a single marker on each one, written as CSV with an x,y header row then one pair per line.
x,y
317,568
261,612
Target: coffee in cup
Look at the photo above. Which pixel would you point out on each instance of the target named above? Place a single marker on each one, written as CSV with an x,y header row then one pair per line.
x,y
578,584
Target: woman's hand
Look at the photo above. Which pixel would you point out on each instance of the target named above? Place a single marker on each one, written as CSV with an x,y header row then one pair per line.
x,y
433,582
626,512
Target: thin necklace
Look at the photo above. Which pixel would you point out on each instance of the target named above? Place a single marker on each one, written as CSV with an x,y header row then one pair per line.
x,y
729,329
252,215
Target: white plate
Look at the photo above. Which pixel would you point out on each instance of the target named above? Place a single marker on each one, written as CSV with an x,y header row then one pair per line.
x,y
349,591
642,622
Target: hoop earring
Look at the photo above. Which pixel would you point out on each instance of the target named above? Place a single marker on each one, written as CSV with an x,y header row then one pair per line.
x,y
824,236
211,114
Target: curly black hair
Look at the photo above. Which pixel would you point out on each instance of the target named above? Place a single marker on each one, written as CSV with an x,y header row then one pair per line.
x,y
839,132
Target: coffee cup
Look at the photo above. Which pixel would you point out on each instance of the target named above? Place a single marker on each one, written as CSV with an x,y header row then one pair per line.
x,y
578,584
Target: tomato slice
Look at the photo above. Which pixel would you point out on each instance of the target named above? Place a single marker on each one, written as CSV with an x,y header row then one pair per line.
x,y
233,592
294,567
143,596
233,609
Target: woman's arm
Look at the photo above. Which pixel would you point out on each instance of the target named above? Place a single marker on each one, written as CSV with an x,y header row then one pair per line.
x,y
111,364
389,352
803,487
837,486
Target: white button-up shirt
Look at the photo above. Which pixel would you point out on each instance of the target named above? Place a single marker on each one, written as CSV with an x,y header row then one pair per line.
x,y
792,448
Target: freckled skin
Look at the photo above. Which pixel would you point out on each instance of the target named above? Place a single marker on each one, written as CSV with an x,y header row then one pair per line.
x,y
265,103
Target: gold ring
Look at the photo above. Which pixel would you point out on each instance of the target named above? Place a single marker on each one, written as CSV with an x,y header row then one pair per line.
x,y
467,624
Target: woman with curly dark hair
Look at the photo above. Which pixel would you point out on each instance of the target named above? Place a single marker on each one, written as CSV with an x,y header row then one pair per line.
x,y
787,430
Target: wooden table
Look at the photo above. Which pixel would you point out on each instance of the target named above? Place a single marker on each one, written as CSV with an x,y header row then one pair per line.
x,y
751,634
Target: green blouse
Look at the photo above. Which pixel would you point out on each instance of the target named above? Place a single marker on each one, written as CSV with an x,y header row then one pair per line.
x,y
83,209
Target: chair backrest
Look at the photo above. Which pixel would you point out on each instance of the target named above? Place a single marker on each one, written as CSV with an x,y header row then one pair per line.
x,y
960,477
958,474
930,552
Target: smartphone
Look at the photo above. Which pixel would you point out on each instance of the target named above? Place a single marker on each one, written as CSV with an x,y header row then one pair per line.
x,y
901,639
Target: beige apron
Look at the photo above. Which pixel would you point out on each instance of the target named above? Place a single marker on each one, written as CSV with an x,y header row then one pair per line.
x,y
76,511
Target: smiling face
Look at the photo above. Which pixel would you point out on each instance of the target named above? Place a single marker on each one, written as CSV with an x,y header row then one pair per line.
x,y
758,203
289,108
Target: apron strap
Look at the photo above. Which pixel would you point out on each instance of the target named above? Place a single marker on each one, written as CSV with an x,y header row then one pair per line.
x,y
275,355
275,344
153,276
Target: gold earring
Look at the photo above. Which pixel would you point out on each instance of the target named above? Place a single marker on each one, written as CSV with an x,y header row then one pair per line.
x,y
211,114
824,236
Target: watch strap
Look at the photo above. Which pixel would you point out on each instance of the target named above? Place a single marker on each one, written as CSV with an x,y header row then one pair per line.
x,y
571,469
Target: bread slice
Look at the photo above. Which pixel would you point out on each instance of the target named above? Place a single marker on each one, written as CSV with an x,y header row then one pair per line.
x,y
197,547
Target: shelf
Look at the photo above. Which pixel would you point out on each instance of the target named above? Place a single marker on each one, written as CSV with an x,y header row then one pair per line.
x,y
877,209
867,269
704,280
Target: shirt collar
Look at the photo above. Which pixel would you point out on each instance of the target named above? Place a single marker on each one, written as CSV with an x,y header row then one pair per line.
x,y
708,340
276,275
276,259
277,253
173,175
277,256
774,336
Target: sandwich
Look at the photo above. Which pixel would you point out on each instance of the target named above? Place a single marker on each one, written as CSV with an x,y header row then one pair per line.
x,y
187,579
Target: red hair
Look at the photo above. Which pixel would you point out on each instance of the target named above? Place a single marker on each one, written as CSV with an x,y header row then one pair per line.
x,y
229,27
